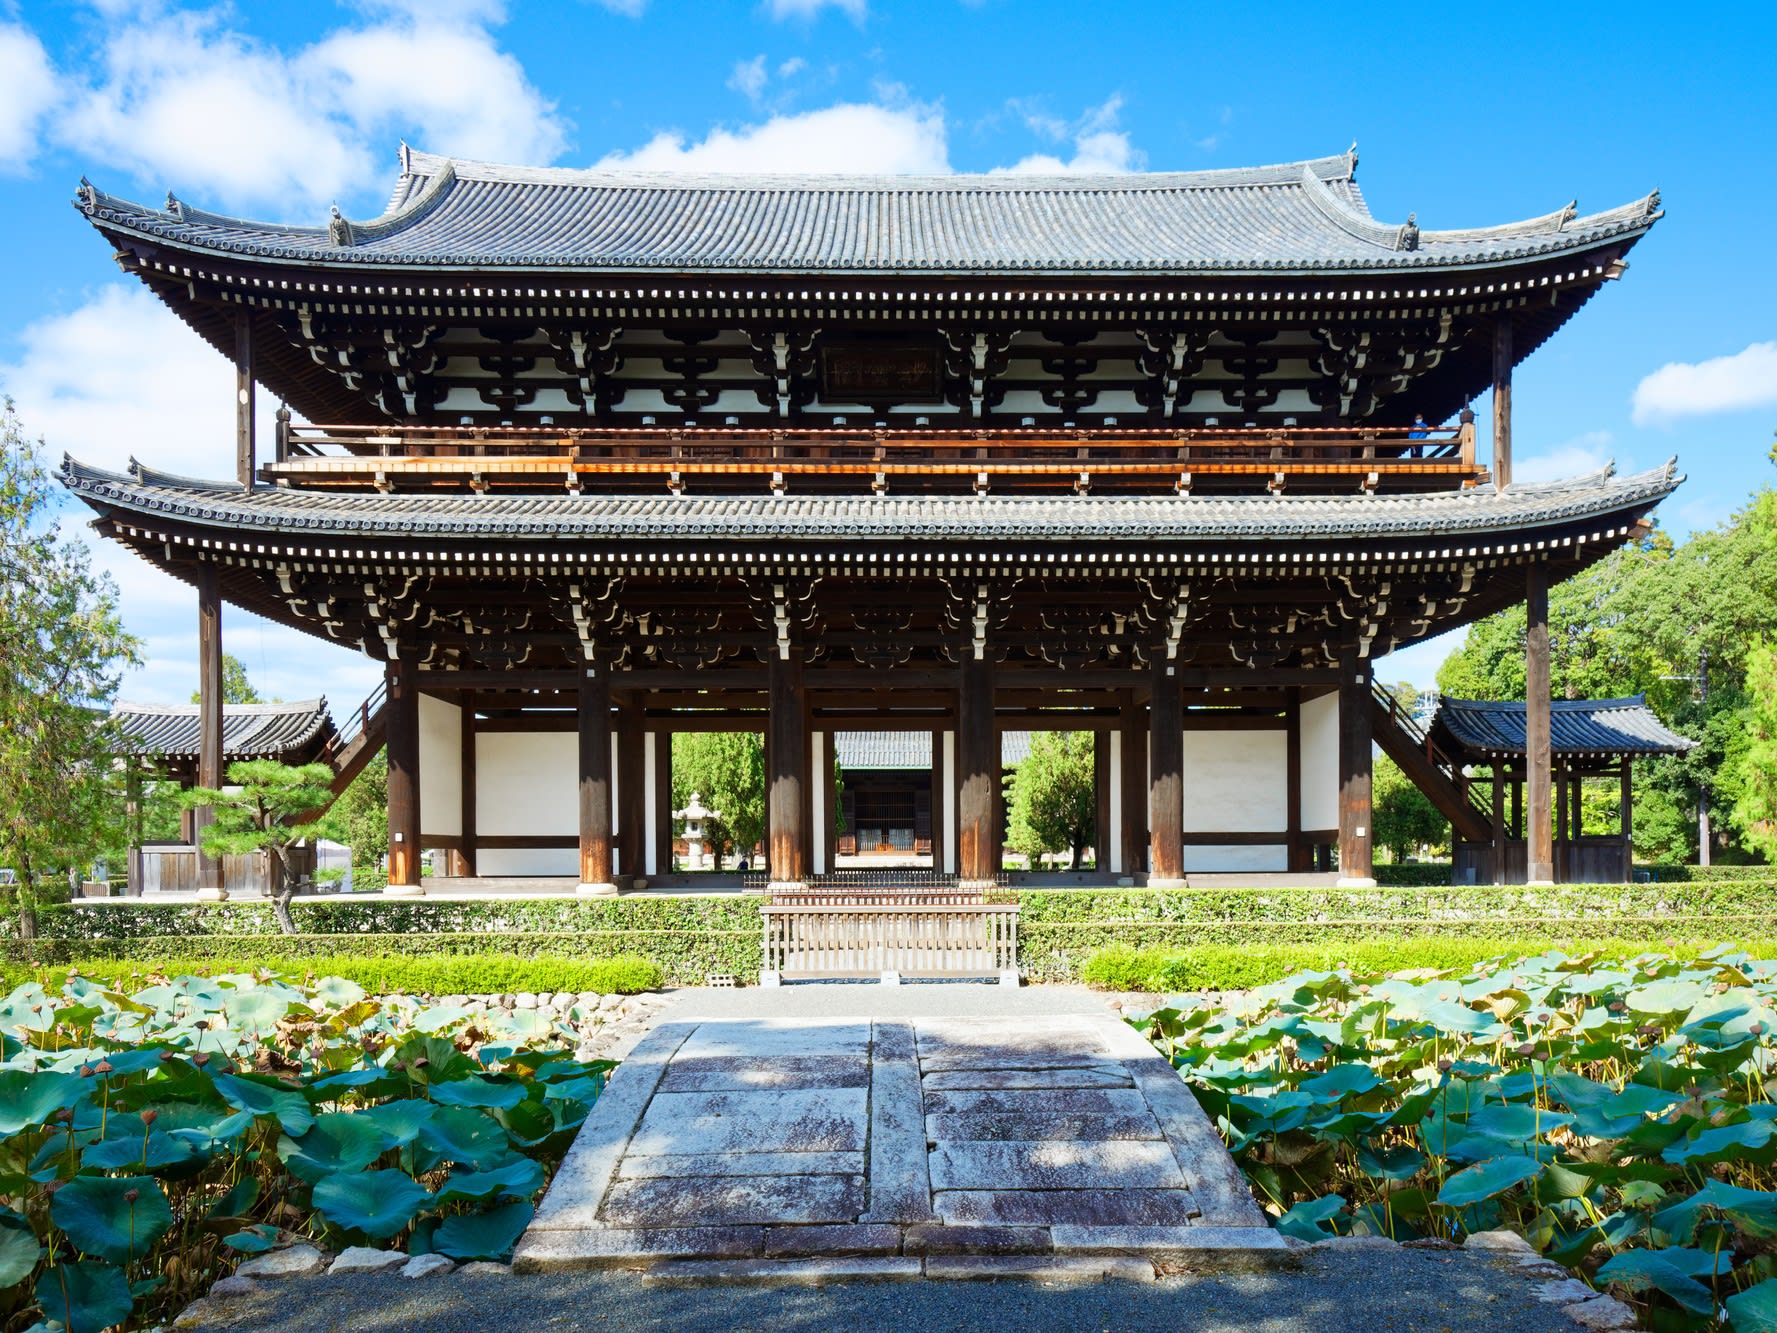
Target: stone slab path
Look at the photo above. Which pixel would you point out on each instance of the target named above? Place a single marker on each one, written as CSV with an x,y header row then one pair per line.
x,y
894,1136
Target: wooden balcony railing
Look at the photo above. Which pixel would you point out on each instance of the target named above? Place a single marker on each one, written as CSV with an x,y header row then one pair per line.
x,y
836,460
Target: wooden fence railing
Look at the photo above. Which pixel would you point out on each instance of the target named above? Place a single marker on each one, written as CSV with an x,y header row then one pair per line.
x,y
976,939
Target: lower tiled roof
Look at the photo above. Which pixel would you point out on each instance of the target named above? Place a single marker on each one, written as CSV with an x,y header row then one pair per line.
x,y
892,751
286,731
1576,726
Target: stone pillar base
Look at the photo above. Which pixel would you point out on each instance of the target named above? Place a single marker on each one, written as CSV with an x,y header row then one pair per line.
x,y
406,890
211,894
785,886
1354,882
771,980
595,891
891,978
1010,977
976,885
1164,882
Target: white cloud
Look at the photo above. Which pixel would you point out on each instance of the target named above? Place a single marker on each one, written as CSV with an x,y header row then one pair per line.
x,y
811,9
1747,379
850,137
167,397
1571,458
749,78
180,96
632,9
1100,148
27,90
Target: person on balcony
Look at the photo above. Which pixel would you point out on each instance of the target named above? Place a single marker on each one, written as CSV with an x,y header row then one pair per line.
x,y
1420,429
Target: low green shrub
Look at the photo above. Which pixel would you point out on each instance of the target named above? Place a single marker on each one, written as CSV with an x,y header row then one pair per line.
x,y
1124,967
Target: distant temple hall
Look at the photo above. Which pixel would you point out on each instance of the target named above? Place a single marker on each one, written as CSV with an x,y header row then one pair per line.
x,y
588,459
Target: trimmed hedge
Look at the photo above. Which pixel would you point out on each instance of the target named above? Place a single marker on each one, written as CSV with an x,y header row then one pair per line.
x,y
468,974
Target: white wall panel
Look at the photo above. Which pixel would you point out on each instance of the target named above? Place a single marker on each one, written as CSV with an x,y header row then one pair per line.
x,y
1235,857
441,767
1320,762
526,782
528,861
1236,782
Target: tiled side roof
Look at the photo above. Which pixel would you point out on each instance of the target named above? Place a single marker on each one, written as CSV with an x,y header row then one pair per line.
x,y
1576,726
892,751
1296,217
284,731
320,515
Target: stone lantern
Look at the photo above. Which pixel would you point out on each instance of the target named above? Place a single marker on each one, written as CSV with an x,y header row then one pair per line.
x,y
694,816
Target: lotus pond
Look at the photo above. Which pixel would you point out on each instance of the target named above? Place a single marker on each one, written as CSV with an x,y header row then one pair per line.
x,y
149,1141
1619,1116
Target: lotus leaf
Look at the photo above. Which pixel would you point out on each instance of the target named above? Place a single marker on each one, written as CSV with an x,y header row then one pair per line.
x,y
1398,1163
240,1197
84,1297
1514,1122
528,1123
374,1203
117,1218
484,1235
28,1099
521,1177
337,1141
19,1249
337,992
253,1240
463,1135
257,1010
401,1121
1308,1221
1751,1141
1665,997
1485,1179
1755,1309
266,1098
1637,1270
1340,1082
137,1150
1752,1211
476,1090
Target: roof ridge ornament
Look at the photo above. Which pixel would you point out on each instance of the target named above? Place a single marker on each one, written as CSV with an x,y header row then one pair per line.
x,y
87,196
1409,234
1351,160
174,207
339,231
1568,214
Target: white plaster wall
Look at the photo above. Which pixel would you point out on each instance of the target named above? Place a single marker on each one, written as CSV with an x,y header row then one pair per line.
x,y
527,783
441,767
1236,857
539,861
1320,762
1236,782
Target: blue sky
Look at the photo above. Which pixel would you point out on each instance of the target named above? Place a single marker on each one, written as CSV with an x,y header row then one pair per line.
x,y
1463,115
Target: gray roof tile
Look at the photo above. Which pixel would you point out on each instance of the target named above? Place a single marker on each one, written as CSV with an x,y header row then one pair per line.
x,y
1576,726
1295,217
893,751
284,731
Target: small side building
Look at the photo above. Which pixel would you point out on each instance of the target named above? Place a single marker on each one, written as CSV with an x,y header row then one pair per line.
x,y
1587,738
163,742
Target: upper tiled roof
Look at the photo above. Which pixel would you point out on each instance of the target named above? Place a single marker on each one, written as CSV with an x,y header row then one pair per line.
x,y
285,731
580,518
1296,217
1576,726
893,751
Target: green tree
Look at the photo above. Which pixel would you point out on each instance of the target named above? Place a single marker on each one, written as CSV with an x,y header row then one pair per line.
x,y
62,651
726,769
236,688
1054,803
360,817
262,809
1755,803
1403,820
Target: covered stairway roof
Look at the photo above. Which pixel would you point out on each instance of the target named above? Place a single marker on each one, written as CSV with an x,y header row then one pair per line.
x,y
1600,728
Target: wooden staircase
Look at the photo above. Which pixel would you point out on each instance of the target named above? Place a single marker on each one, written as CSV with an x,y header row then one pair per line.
x,y
358,739
1432,770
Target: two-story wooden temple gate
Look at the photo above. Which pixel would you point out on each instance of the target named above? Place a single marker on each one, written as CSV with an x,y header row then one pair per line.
x,y
609,457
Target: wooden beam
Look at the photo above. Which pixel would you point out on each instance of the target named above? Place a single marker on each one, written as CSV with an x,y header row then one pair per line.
x,y
1539,833
245,446
403,741
786,768
209,746
467,851
1166,778
595,782
1356,865
977,773
1502,401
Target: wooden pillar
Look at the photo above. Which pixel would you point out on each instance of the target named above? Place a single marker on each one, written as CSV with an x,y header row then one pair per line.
x,y
820,802
663,801
1132,781
1499,822
1626,822
594,710
244,444
1297,851
1356,868
209,745
977,775
403,688
632,806
786,770
1539,831
1103,830
1166,778
1517,780
1502,401
466,856
1563,841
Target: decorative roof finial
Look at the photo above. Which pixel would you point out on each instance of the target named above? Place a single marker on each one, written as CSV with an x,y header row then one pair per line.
x,y
1409,234
1568,214
174,207
406,159
1653,203
86,196
1351,157
339,231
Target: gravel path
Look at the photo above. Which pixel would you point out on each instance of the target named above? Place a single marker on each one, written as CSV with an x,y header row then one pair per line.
x,y
1335,1291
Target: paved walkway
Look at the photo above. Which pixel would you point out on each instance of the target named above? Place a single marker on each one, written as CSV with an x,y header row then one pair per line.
x,y
894,1132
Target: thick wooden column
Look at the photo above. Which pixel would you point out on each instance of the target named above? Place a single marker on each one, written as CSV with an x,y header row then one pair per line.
x,y
244,444
1356,868
403,686
1132,781
786,771
663,801
209,743
466,857
1166,778
594,709
1104,829
632,808
977,774
1563,829
1539,828
1502,402
1498,782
